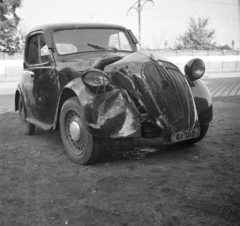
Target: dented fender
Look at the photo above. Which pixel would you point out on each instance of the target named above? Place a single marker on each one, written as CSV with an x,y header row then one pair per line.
x,y
81,91
107,114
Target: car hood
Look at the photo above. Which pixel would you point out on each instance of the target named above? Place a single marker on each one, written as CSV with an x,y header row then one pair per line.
x,y
140,57
92,60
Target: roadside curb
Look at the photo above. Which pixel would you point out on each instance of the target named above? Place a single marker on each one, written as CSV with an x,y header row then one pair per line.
x,y
221,75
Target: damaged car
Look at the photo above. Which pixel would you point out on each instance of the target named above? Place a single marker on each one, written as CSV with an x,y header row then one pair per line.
x,y
91,82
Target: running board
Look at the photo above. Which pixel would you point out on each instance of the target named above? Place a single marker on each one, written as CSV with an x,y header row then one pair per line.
x,y
40,124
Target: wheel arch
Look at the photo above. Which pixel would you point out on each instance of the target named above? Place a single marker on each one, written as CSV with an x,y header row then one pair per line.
x,y
17,96
19,93
65,95
73,88
203,101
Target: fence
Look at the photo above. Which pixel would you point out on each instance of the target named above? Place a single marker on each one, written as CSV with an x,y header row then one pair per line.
x,y
216,61
11,66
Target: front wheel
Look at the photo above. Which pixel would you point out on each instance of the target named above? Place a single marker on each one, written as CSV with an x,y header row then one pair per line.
x,y
79,144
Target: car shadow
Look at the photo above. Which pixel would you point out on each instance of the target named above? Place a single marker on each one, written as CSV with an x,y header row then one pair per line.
x,y
115,150
141,148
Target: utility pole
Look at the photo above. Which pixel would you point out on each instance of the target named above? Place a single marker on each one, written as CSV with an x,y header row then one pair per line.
x,y
233,43
138,7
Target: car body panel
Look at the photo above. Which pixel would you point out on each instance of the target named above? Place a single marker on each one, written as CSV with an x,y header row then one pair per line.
x,y
107,114
203,101
42,92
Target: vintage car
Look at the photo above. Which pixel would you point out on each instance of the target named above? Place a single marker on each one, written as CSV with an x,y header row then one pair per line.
x,y
91,82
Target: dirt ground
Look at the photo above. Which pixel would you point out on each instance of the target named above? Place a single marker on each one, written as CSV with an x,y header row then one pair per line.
x,y
137,182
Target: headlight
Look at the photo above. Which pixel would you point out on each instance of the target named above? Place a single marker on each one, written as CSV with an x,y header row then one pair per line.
x,y
95,79
195,69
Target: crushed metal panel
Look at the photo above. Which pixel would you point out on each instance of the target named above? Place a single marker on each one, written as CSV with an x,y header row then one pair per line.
x,y
108,116
172,94
130,128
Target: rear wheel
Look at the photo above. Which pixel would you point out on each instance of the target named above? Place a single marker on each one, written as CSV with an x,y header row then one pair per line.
x,y
27,127
80,145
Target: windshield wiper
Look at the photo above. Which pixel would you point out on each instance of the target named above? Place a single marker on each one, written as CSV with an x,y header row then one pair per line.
x,y
101,48
96,47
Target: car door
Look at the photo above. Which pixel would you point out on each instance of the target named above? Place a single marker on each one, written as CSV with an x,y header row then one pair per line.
x,y
40,80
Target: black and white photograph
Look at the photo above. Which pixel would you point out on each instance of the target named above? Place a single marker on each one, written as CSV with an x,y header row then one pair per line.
x,y
120,113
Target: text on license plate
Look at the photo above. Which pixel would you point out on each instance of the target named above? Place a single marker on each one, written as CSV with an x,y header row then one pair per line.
x,y
186,135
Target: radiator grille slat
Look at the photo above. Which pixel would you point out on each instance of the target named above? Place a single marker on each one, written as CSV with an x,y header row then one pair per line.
x,y
172,94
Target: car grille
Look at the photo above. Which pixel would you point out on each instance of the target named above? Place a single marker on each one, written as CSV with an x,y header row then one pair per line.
x,y
170,92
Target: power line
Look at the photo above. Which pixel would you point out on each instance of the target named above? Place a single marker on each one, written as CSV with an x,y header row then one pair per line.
x,y
139,7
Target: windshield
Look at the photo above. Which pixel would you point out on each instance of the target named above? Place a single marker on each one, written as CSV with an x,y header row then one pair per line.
x,y
85,40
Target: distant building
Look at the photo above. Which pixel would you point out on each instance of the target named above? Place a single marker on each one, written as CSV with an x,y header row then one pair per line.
x,y
224,47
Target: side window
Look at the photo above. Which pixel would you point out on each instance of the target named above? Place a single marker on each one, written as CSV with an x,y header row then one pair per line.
x,y
37,51
119,41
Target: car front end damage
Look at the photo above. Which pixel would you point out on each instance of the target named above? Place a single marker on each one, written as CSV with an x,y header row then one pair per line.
x,y
110,114
141,95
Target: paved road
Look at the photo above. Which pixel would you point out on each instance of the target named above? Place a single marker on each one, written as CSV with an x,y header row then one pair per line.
x,y
223,86
218,86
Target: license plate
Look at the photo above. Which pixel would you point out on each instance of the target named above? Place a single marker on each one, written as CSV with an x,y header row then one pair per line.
x,y
186,135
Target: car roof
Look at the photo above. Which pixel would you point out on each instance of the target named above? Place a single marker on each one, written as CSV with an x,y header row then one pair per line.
x,y
58,26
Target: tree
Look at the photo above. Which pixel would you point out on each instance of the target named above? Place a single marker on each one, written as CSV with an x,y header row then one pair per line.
x,y
197,36
10,37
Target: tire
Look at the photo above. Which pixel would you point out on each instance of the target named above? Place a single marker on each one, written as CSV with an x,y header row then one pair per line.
x,y
204,130
27,127
79,144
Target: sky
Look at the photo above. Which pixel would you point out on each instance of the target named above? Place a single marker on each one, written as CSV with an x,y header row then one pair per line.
x,y
161,23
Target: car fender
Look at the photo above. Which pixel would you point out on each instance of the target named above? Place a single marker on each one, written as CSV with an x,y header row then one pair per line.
x,y
111,114
203,101
73,88
19,92
107,114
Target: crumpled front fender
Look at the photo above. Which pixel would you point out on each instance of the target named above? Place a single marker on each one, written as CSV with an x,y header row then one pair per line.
x,y
109,115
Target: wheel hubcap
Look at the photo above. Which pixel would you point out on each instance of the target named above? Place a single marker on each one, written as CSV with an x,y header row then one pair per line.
x,y
75,131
